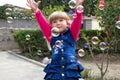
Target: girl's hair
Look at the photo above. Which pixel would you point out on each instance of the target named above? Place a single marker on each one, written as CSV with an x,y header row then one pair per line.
x,y
57,15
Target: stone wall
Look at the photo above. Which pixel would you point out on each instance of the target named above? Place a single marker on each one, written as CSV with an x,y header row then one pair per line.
x,y
18,23
6,40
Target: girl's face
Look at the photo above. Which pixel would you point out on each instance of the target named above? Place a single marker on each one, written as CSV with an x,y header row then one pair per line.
x,y
61,24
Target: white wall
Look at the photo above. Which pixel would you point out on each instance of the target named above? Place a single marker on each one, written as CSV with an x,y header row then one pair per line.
x,y
95,24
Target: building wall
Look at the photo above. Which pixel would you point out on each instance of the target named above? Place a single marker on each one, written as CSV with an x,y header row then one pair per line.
x,y
95,25
19,24
90,23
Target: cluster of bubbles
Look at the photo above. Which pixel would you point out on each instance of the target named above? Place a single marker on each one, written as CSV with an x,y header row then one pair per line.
x,y
95,41
8,12
101,7
102,45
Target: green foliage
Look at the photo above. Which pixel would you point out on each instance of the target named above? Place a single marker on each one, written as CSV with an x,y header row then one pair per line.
x,y
107,19
49,9
36,41
113,42
89,5
88,33
53,3
109,15
2,12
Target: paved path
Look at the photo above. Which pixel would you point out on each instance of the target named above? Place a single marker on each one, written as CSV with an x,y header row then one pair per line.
x,y
13,67
16,67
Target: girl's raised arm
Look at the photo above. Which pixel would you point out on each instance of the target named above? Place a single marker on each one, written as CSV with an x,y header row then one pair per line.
x,y
44,25
77,21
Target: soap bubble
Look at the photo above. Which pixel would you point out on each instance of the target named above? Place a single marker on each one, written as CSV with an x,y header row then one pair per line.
x,y
46,60
63,1
81,52
117,24
72,4
39,52
9,19
95,40
55,32
8,11
102,46
86,45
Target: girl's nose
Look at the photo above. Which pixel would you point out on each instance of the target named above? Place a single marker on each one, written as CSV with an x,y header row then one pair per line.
x,y
58,22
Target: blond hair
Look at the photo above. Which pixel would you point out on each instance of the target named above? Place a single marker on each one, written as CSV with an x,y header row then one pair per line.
x,y
57,15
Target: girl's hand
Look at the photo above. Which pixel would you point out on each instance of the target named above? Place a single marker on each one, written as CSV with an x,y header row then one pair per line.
x,y
79,2
33,5
79,6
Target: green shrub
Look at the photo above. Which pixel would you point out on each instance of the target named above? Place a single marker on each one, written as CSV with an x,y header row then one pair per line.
x,y
36,41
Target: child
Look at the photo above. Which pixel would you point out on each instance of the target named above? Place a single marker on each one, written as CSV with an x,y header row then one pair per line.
x,y
64,64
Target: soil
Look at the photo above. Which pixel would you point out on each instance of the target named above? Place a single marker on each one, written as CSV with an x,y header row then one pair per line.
x,y
113,72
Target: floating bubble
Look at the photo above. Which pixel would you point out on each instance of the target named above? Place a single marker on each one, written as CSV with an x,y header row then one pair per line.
x,y
55,32
81,52
27,37
63,1
9,19
86,45
117,24
45,60
71,12
39,52
95,40
99,18
102,46
8,11
101,5
72,4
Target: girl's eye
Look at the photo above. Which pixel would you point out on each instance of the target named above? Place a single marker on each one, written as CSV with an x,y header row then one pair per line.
x,y
61,20
54,21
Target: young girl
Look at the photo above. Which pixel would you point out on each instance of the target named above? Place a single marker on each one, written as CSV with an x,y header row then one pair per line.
x,y
64,64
